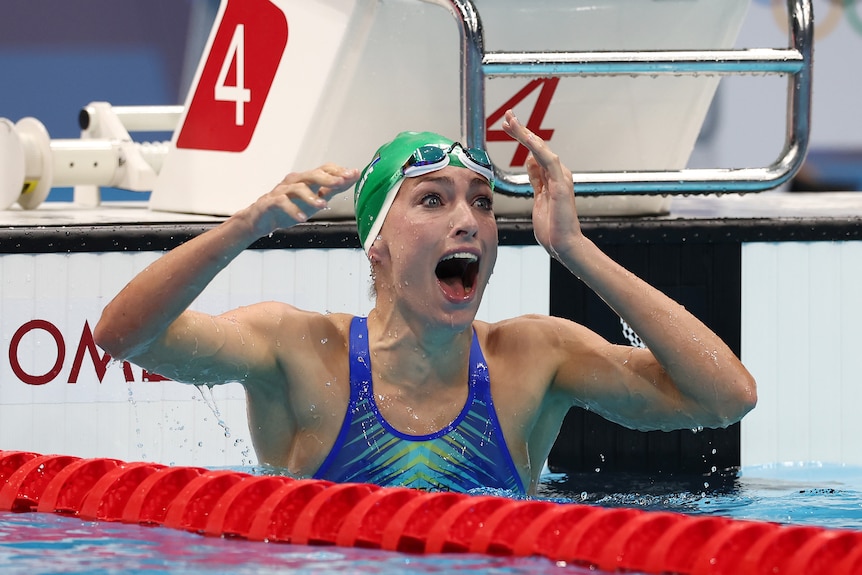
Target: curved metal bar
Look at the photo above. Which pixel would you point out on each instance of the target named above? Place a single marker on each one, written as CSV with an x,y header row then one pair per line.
x,y
795,61
472,75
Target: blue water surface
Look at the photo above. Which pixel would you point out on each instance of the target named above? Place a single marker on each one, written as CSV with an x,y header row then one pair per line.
x,y
825,495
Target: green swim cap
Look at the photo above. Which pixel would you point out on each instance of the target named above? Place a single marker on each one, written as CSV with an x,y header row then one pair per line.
x,y
381,179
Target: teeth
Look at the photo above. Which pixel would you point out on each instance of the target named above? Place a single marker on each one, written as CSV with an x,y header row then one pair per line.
x,y
461,256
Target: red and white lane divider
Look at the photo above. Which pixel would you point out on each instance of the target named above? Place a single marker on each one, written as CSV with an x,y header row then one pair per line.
x,y
316,512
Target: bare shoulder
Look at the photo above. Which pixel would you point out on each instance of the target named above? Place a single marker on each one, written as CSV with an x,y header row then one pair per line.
x,y
279,318
295,335
536,344
554,354
536,332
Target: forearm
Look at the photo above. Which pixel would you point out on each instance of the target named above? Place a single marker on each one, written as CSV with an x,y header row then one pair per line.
x,y
157,296
691,374
700,367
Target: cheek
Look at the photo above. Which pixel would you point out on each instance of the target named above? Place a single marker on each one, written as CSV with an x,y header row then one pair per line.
x,y
491,259
413,234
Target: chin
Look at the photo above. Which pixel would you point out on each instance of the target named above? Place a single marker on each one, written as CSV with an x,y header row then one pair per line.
x,y
464,312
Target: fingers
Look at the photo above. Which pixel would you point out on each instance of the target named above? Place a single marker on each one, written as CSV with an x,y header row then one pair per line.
x,y
543,154
328,179
536,174
300,194
314,186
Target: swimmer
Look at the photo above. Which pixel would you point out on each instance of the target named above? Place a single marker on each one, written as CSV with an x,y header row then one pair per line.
x,y
420,393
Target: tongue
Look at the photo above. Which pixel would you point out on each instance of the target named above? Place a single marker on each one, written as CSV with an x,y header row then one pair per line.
x,y
453,287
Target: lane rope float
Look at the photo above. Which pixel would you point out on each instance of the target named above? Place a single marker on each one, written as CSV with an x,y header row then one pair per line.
x,y
317,512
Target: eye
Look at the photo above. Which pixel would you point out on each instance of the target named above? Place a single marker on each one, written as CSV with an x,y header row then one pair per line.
x,y
484,203
431,201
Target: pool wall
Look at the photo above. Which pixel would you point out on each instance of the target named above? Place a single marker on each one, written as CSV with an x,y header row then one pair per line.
x,y
801,318
778,286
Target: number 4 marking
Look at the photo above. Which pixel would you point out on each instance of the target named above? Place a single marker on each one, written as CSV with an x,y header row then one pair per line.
x,y
237,93
236,77
548,87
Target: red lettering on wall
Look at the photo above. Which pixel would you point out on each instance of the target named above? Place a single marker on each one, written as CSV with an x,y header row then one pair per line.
x,y
87,343
29,378
127,372
86,347
149,376
548,87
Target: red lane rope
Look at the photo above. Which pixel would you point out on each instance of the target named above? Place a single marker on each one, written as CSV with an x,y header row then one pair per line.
x,y
316,512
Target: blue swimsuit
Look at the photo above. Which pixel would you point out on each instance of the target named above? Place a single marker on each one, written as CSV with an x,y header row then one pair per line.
x,y
468,453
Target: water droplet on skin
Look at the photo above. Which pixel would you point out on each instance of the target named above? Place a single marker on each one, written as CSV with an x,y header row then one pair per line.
x,y
324,340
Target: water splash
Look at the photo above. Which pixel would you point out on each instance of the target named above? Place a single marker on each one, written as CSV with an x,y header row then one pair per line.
x,y
140,443
206,392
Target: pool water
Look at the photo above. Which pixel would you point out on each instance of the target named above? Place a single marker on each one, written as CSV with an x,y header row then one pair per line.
x,y
817,494
811,494
43,543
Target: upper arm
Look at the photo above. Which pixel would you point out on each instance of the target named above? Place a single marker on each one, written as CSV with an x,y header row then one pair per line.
x,y
238,345
624,384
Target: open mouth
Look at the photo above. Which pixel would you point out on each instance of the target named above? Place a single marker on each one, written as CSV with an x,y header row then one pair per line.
x,y
456,274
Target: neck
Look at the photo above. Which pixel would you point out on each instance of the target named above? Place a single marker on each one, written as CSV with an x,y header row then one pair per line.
x,y
416,352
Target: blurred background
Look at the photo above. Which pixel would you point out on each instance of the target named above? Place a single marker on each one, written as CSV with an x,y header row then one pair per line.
x,y
56,57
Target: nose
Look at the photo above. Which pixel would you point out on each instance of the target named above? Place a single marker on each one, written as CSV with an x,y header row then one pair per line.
x,y
463,222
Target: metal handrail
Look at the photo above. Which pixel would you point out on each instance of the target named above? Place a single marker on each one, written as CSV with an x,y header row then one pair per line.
x,y
795,61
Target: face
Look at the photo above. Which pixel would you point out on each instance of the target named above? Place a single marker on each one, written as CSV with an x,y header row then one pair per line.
x,y
438,246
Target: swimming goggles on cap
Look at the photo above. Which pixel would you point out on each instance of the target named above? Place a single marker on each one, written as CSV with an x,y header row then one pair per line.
x,y
427,159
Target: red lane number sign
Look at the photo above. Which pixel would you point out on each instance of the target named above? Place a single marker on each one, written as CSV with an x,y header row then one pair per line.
x,y
236,78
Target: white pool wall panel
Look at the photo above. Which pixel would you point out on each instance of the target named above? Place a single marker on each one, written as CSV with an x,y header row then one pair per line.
x,y
801,326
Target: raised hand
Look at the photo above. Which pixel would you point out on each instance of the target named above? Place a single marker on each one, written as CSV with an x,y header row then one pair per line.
x,y
555,219
299,196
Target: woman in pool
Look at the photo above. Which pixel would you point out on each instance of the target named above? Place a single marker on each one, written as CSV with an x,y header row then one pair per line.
x,y
421,393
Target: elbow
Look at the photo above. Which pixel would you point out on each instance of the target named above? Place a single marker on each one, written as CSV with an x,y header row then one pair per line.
x,y
741,400
110,339
106,339
746,394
